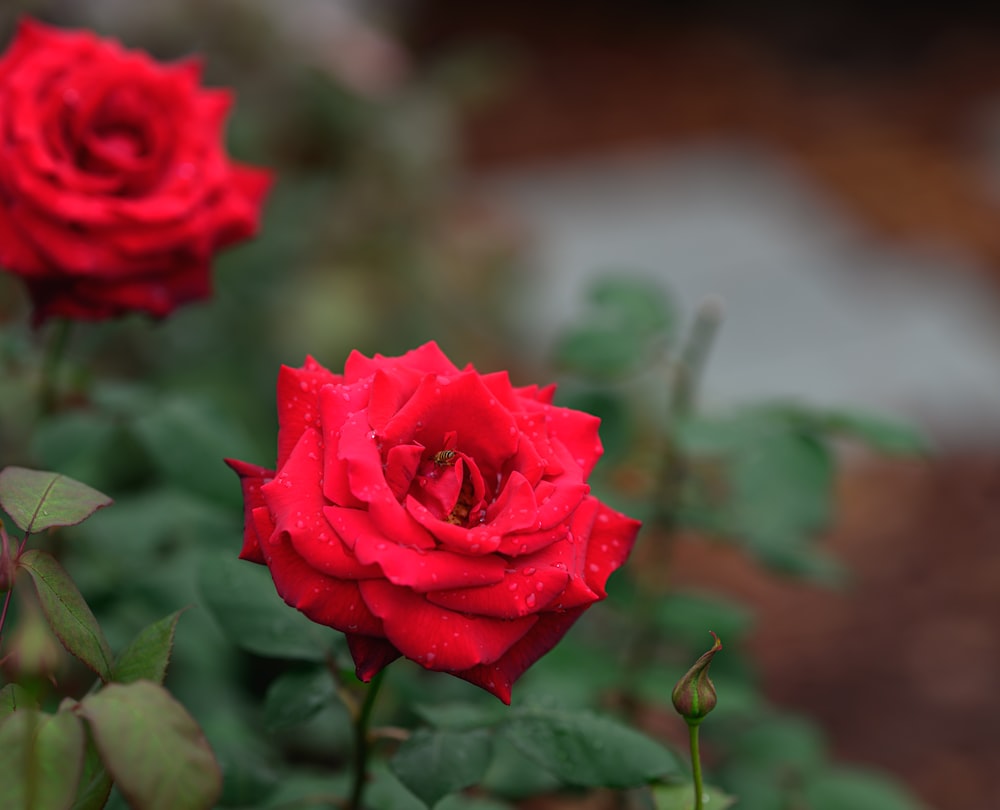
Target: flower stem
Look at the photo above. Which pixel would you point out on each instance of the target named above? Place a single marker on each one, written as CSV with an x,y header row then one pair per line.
x,y
696,764
694,354
50,366
362,742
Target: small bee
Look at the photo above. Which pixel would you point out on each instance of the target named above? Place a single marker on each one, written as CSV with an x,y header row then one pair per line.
x,y
445,458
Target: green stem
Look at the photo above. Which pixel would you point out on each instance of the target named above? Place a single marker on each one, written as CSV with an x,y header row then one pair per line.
x,y
696,764
50,366
362,742
691,364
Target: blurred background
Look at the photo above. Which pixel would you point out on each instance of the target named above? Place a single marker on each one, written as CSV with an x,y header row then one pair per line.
x,y
463,171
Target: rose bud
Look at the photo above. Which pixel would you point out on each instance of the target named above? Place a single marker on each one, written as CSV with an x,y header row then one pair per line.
x,y
694,695
115,189
34,650
434,513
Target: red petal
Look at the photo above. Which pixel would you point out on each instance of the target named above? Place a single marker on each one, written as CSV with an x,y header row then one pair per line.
x,y
326,600
499,677
610,542
252,478
370,655
298,402
486,430
437,638
411,567
524,591
297,504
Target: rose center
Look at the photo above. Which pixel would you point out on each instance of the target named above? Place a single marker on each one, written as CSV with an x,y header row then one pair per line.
x,y
449,484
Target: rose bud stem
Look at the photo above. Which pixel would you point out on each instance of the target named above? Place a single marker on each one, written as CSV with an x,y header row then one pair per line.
x,y
693,698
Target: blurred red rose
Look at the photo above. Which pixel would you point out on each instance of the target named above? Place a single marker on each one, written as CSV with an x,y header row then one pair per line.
x,y
431,512
115,189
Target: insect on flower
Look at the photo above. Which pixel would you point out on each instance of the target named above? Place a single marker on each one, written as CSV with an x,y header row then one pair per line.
x,y
445,458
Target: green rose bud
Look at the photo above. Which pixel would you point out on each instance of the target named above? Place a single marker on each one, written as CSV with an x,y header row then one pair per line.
x,y
694,694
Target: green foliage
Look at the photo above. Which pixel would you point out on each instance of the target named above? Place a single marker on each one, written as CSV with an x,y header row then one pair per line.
x,y
147,656
242,599
681,797
297,695
624,319
837,788
14,697
42,760
526,750
151,746
67,613
586,749
435,762
38,500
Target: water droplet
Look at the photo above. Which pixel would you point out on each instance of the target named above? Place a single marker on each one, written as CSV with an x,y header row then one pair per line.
x,y
512,586
530,600
528,571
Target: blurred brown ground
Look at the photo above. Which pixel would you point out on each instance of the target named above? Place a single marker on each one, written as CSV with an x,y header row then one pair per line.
x,y
891,110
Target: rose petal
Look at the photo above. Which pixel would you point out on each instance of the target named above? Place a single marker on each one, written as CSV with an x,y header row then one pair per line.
x,y
252,478
499,677
610,542
298,507
428,359
419,569
298,402
333,602
485,430
522,592
370,655
438,638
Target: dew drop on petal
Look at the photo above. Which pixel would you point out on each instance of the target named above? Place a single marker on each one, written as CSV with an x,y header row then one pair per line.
x,y
530,600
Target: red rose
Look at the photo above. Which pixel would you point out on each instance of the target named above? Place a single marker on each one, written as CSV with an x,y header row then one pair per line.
x,y
115,190
431,512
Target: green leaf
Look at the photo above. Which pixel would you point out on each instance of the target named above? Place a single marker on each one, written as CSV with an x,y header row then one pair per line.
x,y
152,747
67,612
42,760
461,716
588,750
879,432
95,782
623,320
681,797
686,617
241,597
434,763
785,743
186,439
859,790
38,500
511,775
14,697
296,696
764,476
148,654
782,488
